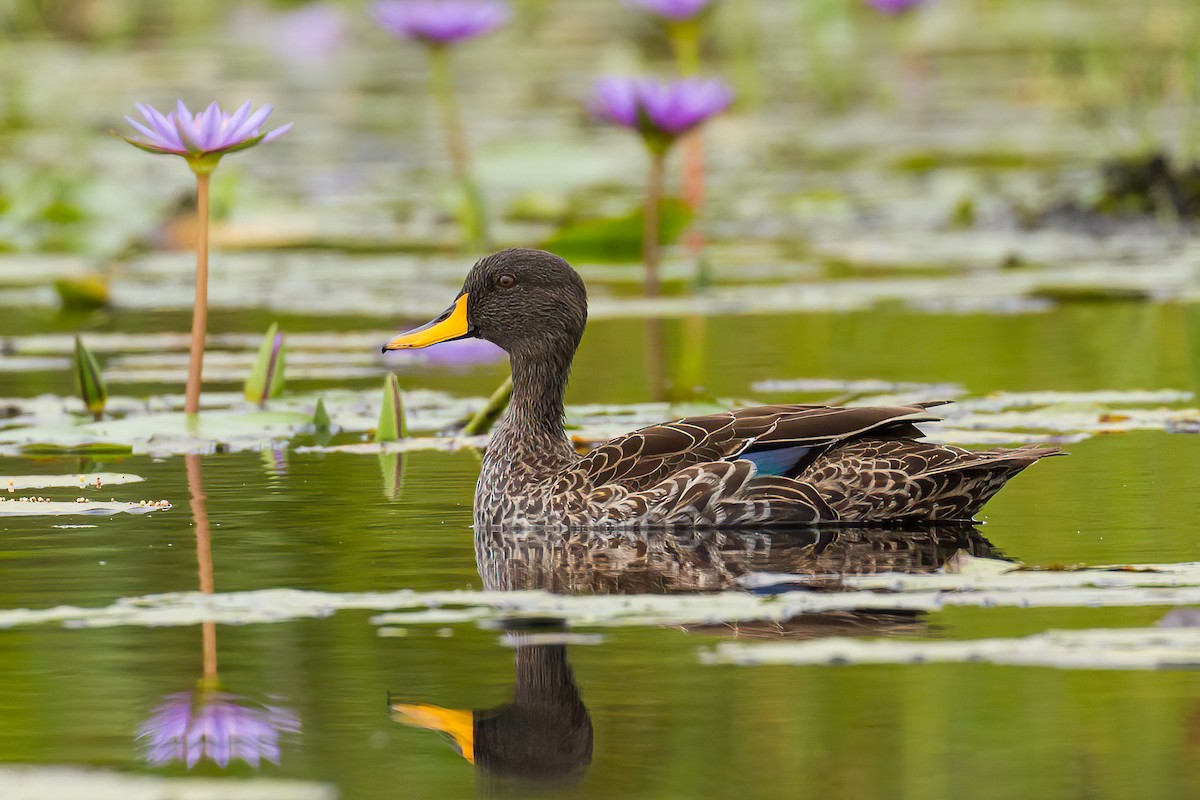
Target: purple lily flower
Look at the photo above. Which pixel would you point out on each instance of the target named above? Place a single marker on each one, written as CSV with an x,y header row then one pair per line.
x,y
662,112
894,7
204,137
464,353
311,33
440,21
217,726
673,10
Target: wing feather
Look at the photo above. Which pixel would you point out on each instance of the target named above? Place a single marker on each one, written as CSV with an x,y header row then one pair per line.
x,y
644,458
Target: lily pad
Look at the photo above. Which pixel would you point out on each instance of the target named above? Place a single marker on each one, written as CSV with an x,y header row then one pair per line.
x,y
41,507
168,433
981,583
1130,648
91,480
37,783
617,238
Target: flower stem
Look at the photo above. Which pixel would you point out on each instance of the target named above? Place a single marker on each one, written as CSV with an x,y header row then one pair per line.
x,y
685,40
200,309
474,216
204,562
651,234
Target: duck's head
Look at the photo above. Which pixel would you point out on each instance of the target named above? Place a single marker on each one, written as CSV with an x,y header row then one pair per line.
x,y
528,302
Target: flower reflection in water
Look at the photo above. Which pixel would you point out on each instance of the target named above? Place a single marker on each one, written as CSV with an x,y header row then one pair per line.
x,y
209,723
217,726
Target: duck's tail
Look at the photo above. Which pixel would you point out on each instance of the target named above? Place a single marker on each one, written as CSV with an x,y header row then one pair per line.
x,y
963,487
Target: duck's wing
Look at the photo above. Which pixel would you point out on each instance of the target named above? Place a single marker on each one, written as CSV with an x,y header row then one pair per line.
x,y
776,438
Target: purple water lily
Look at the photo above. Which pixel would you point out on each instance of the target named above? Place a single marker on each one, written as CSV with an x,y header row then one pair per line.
x,y
464,353
440,21
673,10
217,726
200,139
204,137
894,7
311,33
661,111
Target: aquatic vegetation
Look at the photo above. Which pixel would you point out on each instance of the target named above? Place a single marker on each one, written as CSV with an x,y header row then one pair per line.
x,y
660,112
486,417
393,422
153,425
217,726
266,379
439,24
202,140
311,33
673,10
83,292
61,781
90,381
43,507
90,480
1119,648
895,7
993,584
463,353
321,421
683,22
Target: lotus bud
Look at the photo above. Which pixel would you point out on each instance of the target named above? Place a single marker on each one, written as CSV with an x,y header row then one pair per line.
x,y
89,381
266,378
392,424
321,421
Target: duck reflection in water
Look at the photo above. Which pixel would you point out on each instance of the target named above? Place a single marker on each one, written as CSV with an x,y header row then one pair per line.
x,y
544,735
815,558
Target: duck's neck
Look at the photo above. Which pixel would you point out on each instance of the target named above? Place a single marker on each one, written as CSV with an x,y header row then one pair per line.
x,y
532,427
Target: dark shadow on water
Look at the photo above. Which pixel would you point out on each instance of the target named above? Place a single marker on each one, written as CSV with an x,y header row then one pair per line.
x,y
542,738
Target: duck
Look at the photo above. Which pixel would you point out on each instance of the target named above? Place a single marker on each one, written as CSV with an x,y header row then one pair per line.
x,y
771,465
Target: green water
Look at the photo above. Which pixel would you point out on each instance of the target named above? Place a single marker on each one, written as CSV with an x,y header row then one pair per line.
x,y
663,724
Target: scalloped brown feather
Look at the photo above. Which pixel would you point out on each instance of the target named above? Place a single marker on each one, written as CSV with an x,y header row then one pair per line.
x,y
866,466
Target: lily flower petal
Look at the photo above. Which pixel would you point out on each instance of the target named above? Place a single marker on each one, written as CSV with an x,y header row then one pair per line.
x,y
204,137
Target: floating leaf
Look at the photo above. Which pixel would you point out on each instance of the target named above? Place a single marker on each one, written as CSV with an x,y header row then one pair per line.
x,y
392,424
91,480
27,780
1130,648
89,381
170,433
37,506
617,238
86,293
266,378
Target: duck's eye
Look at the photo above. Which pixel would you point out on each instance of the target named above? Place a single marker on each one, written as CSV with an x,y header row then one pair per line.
x,y
506,281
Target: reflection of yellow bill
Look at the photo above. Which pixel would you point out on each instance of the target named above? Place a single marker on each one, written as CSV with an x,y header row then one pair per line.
x,y
451,324
459,724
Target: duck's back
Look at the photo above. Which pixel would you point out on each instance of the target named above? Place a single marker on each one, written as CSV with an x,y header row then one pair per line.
x,y
765,465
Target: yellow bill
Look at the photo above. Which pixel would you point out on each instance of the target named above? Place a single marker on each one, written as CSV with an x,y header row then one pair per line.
x,y
458,723
450,324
